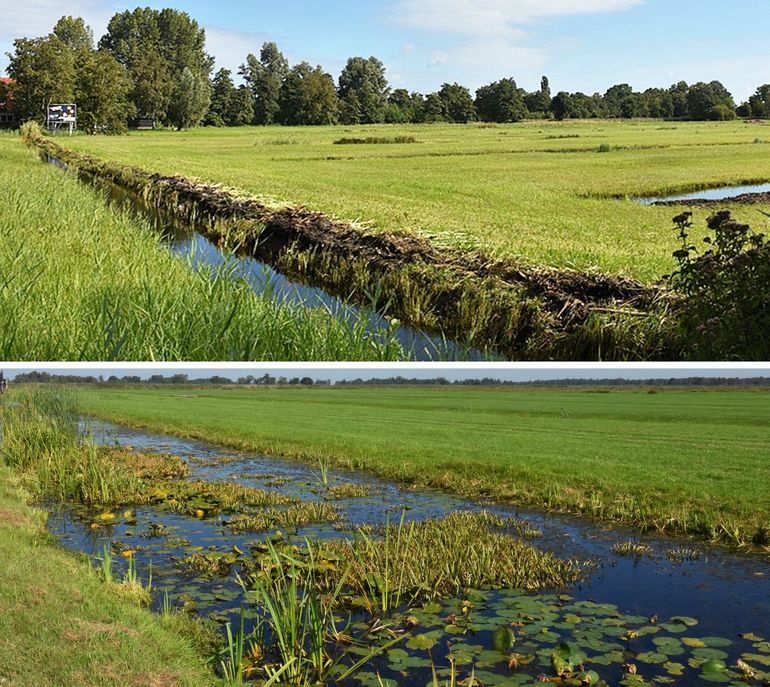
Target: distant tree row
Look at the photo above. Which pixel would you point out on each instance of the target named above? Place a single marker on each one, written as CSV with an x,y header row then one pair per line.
x,y
153,64
270,380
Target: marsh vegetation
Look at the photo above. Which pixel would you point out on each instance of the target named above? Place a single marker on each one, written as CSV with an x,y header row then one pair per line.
x,y
383,592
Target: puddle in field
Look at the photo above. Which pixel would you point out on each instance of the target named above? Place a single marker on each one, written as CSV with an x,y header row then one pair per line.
x,y
723,193
188,244
699,607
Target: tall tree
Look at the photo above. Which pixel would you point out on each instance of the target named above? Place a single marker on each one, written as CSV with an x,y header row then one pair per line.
x,y
458,103
264,77
164,53
308,96
190,100
539,102
710,101
75,34
434,110
501,101
760,102
561,105
44,72
678,93
241,108
619,101
103,93
222,92
364,90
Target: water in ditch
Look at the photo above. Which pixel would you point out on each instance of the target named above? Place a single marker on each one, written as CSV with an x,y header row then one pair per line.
x,y
188,244
722,193
684,613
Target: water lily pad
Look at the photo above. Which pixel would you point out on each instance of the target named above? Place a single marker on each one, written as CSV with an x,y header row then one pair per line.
x,y
608,659
676,628
653,657
709,654
716,641
503,639
757,658
684,620
674,668
693,642
566,658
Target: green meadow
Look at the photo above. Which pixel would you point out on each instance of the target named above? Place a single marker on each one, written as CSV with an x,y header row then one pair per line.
x,y
684,461
554,193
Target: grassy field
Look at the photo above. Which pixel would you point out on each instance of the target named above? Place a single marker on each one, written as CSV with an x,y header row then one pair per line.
x,y
675,460
538,190
82,281
60,624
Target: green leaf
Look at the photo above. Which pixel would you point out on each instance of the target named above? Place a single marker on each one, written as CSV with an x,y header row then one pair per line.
x,y
421,642
503,639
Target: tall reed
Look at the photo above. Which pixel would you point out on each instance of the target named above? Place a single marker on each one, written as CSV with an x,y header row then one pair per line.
x,y
309,644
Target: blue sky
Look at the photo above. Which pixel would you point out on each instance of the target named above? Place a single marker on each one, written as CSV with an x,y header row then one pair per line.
x,y
583,45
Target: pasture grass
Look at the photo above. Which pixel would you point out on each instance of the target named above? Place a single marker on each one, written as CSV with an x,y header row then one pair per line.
x,y
535,190
62,624
681,461
83,281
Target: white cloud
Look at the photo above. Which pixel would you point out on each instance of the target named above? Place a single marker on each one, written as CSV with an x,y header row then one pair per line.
x,y
33,18
230,48
490,17
500,57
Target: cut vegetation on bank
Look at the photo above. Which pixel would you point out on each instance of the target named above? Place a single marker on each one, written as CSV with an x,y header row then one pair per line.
x,y
503,305
678,461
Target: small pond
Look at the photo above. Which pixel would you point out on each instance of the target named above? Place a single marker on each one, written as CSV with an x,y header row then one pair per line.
x,y
722,193
676,613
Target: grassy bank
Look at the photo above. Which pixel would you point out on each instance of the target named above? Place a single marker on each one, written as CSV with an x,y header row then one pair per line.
x,y
541,190
60,624
689,462
82,281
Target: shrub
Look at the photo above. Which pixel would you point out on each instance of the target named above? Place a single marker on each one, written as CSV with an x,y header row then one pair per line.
x,y
725,311
721,113
375,140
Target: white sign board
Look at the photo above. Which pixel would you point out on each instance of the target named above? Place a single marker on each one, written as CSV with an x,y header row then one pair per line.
x,y
59,115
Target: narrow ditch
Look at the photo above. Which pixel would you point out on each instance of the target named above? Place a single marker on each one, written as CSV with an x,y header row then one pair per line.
x,y
669,611
515,310
187,243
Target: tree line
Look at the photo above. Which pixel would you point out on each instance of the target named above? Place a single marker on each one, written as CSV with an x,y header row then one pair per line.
x,y
270,380
153,64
